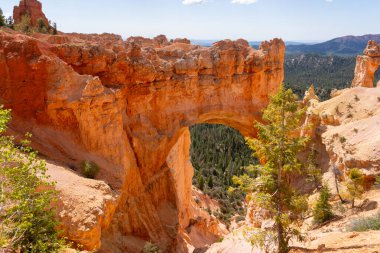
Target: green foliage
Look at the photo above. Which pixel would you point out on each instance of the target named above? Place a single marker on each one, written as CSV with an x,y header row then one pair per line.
x,y
314,173
2,18
219,152
55,31
201,182
9,22
42,27
24,25
323,210
28,220
151,248
90,169
365,224
277,147
355,184
210,184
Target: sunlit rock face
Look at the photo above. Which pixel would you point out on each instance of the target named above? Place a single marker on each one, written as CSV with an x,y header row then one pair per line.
x,y
127,106
366,65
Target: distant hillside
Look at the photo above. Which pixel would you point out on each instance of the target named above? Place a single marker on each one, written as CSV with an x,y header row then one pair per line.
x,y
208,43
325,72
344,46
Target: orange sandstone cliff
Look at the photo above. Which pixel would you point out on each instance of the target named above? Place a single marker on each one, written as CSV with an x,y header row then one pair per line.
x,y
366,65
31,8
127,106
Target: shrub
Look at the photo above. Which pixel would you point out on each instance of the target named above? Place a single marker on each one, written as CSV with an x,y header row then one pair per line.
x,y
323,210
342,139
90,169
151,248
364,224
24,25
28,222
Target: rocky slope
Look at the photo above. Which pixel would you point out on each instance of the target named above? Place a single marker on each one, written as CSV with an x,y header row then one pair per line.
x,y
127,105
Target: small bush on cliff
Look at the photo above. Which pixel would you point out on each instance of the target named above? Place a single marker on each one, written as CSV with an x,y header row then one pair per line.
x,y
25,25
28,222
151,248
272,190
323,209
90,169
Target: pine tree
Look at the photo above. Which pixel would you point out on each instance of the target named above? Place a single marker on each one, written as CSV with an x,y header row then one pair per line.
x,y
323,210
2,18
314,173
210,184
201,182
55,31
9,22
277,146
355,184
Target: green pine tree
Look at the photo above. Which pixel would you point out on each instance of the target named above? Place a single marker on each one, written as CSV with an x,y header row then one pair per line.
x,y
2,18
210,183
355,185
323,210
314,173
201,182
277,147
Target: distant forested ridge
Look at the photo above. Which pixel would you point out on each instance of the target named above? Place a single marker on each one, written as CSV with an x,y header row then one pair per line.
x,y
343,46
217,154
325,72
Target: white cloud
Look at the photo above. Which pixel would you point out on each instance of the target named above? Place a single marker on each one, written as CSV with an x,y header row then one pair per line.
x,y
7,14
191,2
329,1
244,1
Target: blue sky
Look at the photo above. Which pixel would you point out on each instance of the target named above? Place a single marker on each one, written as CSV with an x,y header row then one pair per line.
x,y
295,20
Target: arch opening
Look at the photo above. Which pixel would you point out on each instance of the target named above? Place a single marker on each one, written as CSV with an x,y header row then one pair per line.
x,y
219,152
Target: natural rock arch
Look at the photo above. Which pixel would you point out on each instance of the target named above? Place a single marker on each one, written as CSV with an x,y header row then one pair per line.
x,y
367,65
127,106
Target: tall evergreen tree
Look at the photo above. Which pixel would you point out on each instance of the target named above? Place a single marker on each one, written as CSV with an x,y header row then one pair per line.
x,y
323,209
277,146
355,184
2,18
210,184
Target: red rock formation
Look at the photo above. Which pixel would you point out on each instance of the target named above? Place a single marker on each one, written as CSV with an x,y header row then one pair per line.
x,y
124,105
366,65
32,8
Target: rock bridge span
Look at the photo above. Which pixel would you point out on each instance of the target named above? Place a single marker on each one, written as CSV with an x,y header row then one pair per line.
x,y
127,106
